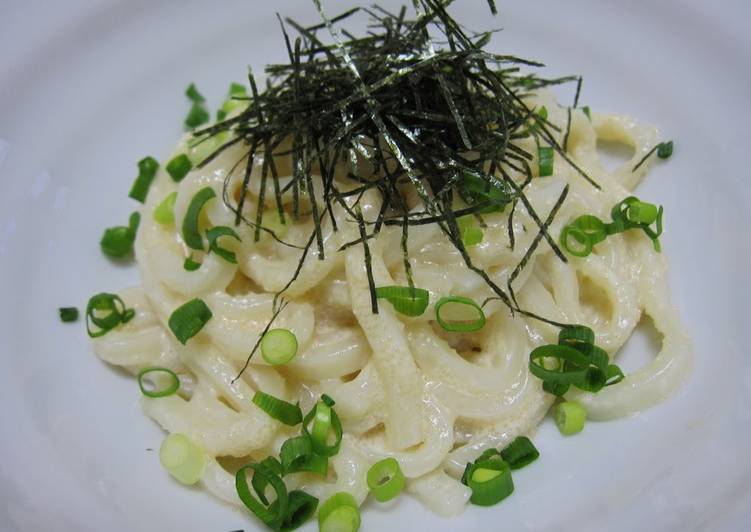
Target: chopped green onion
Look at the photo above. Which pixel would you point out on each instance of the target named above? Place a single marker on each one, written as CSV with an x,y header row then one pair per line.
x,y
545,157
641,212
193,95
186,321
490,481
406,300
278,346
579,337
385,479
147,168
191,265
68,314
271,516
182,458
178,167
325,422
149,388
461,314
201,148
297,454
106,311
579,237
233,101
198,114
665,149
471,234
570,417
118,241
165,211
520,452
300,507
587,112
213,236
259,482
282,411
489,191
191,235
340,513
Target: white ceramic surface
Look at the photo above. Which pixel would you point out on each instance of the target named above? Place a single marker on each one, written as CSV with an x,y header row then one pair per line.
x,y
89,87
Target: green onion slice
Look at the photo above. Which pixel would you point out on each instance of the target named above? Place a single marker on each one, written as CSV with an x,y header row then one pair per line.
x,y
165,211
477,189
271,517
149,386
213,236
471,234
325,422
459,314
340,513
187,320
191,265
191,235
118,241
641,212
68,314
236,98
545,157
520,453
259,482
570,417
182,458
406,300
147,168
385,479
571,365
586,231
105,312
297,454
198,114
587,112
579,337
300,507
178,167
278,346
278,409
490,481
665,149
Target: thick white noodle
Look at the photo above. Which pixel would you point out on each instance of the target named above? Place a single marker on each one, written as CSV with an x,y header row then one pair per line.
x,y
403,388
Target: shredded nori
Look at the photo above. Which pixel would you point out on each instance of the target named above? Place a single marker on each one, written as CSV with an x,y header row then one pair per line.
x,y
395,109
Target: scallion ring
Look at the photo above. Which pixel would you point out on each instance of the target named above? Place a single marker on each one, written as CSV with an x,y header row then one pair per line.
x,y
270,517
570,417
191,235
490,482
406,300
385,479
150,388
214,234
340,513
178,167
580,337
105,312
325,422
68,314
182,458
278,346
147,168
545,158
165,212
278,409
520,453
297,454
459,314
191,265
187,320
300,507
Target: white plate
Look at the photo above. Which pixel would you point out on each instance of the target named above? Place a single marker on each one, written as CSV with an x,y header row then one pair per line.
x,y
89,87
